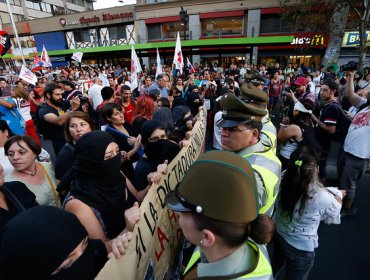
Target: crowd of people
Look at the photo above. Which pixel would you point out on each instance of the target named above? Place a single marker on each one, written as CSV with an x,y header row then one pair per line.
x,y
271,129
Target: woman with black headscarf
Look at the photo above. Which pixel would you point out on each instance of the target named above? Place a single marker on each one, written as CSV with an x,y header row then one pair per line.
x,y
45,242
157,151
98,193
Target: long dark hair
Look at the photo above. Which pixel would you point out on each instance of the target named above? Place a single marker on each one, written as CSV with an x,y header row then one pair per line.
x,y
300,174
304,119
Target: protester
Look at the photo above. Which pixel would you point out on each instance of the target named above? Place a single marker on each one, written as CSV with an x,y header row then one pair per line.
x,y
227,235
157,151
98,192
39,177
144,111
60,242
355,160
77,124
22,99
128,140
128,104
53,114
14,198
303,203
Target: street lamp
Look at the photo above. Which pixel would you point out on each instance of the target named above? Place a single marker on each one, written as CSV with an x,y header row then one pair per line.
x,y
184,17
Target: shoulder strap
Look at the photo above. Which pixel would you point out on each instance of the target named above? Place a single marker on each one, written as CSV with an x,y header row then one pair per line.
x,y
13,199
51,185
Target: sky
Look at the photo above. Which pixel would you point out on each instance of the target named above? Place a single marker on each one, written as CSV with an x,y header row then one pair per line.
x,y
101,4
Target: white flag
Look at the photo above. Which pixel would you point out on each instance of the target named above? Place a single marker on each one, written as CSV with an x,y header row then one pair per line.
x,y
45,57
27,75
159,66
178,59
135,68
77,56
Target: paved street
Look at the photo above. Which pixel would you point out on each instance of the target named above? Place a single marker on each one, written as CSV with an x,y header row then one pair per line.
x,y
343,249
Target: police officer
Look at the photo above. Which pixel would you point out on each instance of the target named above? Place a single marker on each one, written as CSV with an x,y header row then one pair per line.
x,y
240,133
256,96
219,214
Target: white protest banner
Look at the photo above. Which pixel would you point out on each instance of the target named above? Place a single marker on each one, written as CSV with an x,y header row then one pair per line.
x,y
151,252
27,75
77,56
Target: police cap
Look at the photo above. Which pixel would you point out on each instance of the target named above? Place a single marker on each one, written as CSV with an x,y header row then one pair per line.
x,y
219,185
251,94
236,112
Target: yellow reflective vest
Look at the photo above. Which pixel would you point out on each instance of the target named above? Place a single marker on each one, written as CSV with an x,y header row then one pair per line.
x,y
262,270
268,167
268,134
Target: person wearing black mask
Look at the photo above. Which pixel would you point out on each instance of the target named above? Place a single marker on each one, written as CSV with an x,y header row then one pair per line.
x,y
45,242
183,123
158,150
98,195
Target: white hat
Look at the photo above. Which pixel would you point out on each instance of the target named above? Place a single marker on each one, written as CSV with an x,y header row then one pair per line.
x,y
299,107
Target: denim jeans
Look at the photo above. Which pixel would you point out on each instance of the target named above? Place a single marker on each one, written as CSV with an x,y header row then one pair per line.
x,y
298,263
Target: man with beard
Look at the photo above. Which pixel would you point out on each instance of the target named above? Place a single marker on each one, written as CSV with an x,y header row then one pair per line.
x,y
127,103
53,114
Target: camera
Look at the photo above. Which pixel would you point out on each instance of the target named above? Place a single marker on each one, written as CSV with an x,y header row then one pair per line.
x,y
82,98
350,66
292,88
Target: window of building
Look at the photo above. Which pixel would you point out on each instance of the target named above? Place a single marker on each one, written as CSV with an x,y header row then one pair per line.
x,y
154,32
121,32
222,26
166,31
82,36
274,23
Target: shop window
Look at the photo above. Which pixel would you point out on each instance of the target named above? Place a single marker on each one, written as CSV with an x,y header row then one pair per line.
x,y
222,26
170,29
121,32
82,36
154,32
112,34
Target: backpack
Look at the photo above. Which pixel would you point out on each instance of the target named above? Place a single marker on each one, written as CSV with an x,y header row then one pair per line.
x,y
342,126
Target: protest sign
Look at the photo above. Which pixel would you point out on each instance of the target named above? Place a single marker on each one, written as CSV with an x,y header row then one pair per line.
x,y
152,251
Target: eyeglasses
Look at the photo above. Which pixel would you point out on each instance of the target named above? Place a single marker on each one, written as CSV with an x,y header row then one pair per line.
x,y
157,138
234,129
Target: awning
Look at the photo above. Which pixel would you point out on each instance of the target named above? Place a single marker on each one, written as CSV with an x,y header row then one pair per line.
x,y
247,42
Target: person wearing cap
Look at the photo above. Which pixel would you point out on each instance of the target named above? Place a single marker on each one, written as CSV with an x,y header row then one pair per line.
x,y
301,90
256,96
300,131
240,133
227,235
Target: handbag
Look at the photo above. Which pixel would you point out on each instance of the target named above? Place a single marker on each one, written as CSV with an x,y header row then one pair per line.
x,y
51,185
12,198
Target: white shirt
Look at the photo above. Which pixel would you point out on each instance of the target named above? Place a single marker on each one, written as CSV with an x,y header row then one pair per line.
x,y
95,95
301,232
357,141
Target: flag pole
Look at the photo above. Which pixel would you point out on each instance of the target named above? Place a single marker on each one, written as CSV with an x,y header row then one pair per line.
x,y
15,31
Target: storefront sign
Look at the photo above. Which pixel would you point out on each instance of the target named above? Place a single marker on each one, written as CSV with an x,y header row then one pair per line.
x,y
309,40
105,17
352,39
64,22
